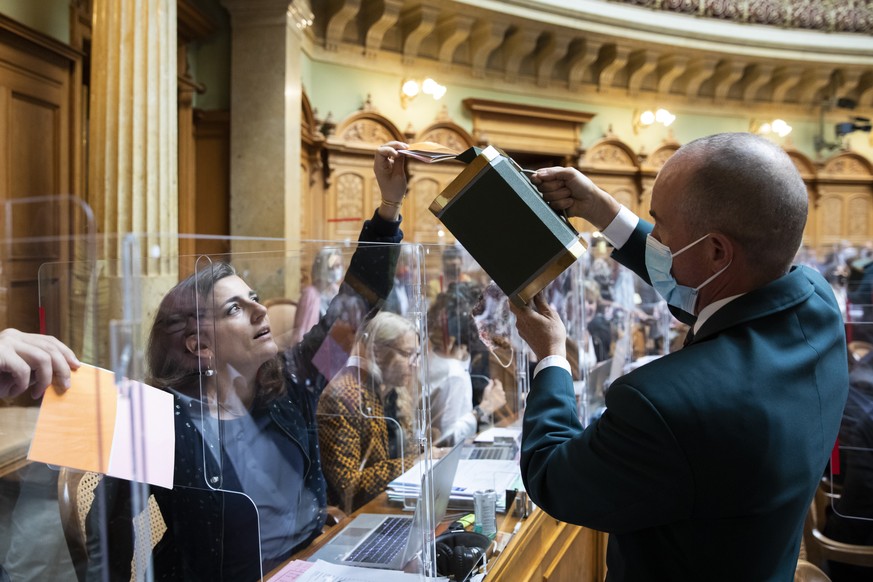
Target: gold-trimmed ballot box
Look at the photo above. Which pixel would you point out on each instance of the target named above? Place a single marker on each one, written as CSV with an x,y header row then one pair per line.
x,y
500,218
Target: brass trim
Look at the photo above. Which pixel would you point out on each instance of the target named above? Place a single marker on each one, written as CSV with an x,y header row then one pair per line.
x,y
559,264
463,180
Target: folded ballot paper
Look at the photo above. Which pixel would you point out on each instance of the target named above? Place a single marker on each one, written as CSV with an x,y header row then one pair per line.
x,y
500,218
429,152
122,429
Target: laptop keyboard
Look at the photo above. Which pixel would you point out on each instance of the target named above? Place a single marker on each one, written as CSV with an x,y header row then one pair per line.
x,y
500,453
383,543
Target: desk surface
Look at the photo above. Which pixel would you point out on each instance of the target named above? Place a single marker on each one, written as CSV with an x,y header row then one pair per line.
x,y
17,424
506,525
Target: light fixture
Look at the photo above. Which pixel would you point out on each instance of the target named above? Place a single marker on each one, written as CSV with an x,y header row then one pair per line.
x,y
643,119
410,88
777,126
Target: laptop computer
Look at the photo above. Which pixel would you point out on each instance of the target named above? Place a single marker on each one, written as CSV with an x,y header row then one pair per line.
x,y
384,541
489,452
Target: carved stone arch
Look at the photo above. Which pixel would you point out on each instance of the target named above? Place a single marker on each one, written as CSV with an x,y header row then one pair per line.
x,y
366,129
447,133
804,165
609,153
848,166
426,181
614,166
352,193
656,160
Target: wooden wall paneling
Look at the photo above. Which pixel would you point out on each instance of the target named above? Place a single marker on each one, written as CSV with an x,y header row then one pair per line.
x,y
348,197
845,201
36,90
428,180
527,128
352,193
312,177
613,166
212,179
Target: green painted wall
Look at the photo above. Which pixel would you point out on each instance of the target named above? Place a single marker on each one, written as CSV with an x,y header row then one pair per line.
x,y
342,90
209,60
50,17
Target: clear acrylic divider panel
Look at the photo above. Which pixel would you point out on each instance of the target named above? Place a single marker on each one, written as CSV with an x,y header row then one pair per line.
x,y
473,358
255,345
39,234
848,487
615,322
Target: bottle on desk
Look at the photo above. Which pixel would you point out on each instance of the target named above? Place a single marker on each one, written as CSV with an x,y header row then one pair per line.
x,y
485,510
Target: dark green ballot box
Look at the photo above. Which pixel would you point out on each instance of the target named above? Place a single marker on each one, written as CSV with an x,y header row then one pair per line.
x,y
503,222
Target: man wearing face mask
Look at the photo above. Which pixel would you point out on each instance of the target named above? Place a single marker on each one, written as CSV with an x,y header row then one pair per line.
x,y
705,461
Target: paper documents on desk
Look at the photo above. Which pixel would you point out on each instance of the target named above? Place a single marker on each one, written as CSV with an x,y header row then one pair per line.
x,y
91,427
497,434
322,571
471,476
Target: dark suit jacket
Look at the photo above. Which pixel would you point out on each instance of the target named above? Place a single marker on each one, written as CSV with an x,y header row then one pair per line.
x,y
705,461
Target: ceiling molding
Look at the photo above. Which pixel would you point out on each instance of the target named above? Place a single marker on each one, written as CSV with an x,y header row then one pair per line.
x,y
597,51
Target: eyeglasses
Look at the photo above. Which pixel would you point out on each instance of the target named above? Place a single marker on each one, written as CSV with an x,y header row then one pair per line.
x,y
411,356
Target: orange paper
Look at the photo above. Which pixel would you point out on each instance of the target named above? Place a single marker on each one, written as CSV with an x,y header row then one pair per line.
x,y
75,426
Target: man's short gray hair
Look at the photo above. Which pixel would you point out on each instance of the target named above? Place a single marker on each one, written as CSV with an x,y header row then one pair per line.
x,y
748,188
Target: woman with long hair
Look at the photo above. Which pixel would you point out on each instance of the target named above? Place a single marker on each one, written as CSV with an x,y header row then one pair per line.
x,y
249,489
366,416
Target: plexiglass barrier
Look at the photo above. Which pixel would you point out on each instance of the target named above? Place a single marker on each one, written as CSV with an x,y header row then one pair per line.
x,y
267,392
848,489
35,231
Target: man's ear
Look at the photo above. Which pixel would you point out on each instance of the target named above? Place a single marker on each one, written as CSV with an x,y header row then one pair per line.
x,y
721,250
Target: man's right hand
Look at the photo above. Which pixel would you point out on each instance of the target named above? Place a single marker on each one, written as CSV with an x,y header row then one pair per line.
x,y
541,327
571,190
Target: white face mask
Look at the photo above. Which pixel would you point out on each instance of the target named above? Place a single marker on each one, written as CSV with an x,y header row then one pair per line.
x,y
659,263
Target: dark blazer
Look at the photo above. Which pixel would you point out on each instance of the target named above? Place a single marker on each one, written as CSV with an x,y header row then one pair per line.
x,y
705,461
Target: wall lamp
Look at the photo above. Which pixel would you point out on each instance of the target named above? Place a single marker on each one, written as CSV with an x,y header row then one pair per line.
x,y
777,126
643,119
410,88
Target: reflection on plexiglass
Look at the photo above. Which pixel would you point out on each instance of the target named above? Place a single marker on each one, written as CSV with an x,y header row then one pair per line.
x,y
305,382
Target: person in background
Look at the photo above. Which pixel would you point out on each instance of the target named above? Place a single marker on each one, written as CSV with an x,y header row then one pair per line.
x,y
717,449
450,328
366,415
327,273
249,488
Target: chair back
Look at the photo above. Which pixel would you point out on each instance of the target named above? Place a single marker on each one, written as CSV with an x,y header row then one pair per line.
x,y
820,548
75,497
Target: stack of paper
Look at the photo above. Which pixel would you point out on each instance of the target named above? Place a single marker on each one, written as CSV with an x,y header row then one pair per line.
x,y
472,476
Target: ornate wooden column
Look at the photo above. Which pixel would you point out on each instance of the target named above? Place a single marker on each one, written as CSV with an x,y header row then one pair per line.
x,y
133,145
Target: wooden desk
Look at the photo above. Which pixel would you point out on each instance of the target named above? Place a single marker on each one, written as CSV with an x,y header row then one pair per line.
x,y
543,550
17,424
